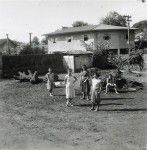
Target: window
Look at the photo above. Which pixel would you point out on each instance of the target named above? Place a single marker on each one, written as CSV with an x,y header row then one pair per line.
x,y
106,37
126,36
85,38
69,39
124,51
114,51
54,40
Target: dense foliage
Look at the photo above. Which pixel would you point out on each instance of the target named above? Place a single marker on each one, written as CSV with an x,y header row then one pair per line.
x,y
114,18
100,54
27,50
35,41
103,58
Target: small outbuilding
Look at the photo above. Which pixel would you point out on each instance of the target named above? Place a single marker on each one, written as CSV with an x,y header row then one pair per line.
x,y
75,59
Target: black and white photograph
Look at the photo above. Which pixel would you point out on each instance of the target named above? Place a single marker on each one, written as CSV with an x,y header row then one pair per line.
x,y
73,74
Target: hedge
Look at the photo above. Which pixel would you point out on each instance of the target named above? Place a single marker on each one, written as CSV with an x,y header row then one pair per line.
x,y
41,63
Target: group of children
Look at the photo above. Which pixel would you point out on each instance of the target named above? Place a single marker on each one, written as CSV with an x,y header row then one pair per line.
x,y
90,88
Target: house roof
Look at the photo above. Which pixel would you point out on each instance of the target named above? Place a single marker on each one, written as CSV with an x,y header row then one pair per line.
x,y
12,44
98,27
2,41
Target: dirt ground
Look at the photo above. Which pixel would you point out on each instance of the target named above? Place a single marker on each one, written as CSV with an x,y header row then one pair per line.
x,y
31,120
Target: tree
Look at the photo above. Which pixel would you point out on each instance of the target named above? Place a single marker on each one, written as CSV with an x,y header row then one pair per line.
x,y
100,53
28,50
35,41
79,23
114,18
106,59
141,36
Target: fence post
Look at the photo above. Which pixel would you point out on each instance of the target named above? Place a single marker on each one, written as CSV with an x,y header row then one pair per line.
x,y
1,66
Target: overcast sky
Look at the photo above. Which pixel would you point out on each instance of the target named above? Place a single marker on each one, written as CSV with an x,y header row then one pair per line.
x,y
19,17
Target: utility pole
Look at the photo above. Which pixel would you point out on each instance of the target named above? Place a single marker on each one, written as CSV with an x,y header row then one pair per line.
x,y
128,24
8,49
30,34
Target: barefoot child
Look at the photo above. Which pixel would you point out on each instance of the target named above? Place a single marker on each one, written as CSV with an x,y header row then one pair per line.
x,y
50,81
84,83
95,92
70,91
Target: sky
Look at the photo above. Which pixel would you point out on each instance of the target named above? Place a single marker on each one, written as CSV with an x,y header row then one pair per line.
x,y
18,18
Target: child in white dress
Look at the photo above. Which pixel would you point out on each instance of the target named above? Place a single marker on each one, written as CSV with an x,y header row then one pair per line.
x,y
70,91
95,92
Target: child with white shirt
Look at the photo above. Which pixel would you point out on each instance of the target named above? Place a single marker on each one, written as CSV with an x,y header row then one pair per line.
x,y
95,92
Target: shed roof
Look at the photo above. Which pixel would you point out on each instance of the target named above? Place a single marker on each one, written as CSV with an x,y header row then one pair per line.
x,y
98,27
74,52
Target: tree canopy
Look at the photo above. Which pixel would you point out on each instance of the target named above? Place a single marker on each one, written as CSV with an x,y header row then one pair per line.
x,y
114,18
28,50
79,23
35,41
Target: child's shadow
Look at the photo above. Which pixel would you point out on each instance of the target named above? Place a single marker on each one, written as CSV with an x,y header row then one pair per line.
x,y
89,104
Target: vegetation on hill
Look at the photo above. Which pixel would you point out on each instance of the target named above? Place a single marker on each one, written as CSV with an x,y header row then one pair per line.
x,y
79,23
114,18
141,24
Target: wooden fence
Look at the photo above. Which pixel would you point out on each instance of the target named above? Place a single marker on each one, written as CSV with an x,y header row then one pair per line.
x,y
12,64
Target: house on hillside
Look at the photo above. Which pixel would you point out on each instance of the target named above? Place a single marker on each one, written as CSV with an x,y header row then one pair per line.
x,y
9,47
70,38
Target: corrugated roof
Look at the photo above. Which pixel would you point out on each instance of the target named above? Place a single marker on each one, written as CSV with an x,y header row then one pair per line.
x,y
87,28
2,41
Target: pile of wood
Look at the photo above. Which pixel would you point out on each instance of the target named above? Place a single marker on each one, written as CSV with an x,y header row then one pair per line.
x,y
29,77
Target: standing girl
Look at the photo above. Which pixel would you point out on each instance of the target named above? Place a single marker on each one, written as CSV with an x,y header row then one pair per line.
x,y
84,82
50,81
95,92
70,91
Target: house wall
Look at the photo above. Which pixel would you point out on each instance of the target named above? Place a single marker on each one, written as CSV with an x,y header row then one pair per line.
x,y
113,41
145,62
82,60
117,41
62,44
0,65
75,62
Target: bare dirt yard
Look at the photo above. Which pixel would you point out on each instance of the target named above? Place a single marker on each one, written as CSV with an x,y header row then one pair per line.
x,y
31,120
